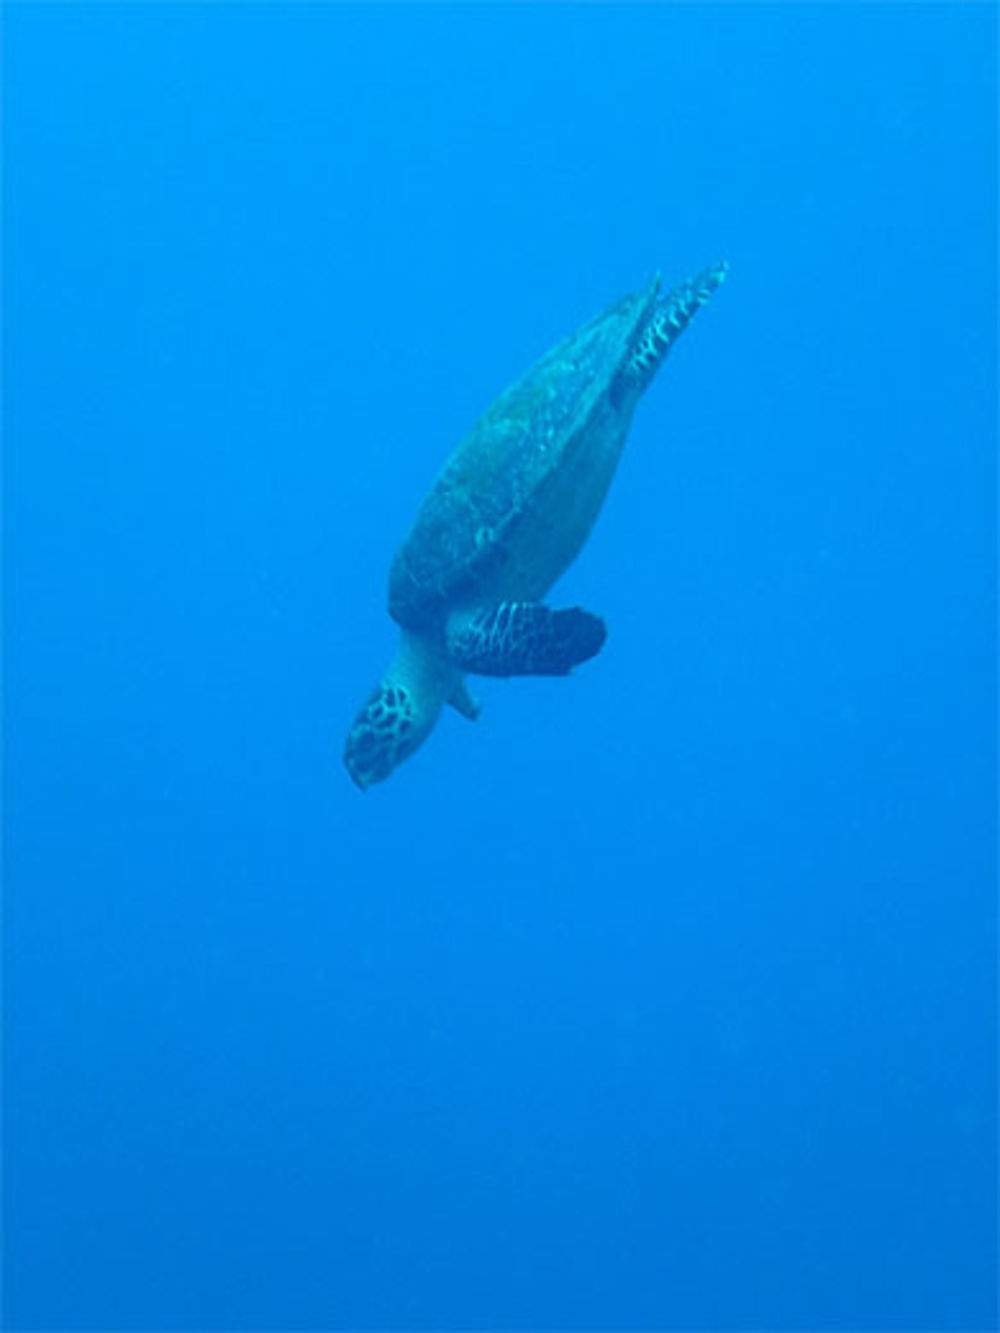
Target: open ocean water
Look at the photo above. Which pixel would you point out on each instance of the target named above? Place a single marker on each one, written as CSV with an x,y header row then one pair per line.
x,y
661,997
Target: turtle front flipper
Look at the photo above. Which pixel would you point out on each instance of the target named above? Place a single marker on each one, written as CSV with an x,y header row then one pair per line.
x,y
464,701
524,639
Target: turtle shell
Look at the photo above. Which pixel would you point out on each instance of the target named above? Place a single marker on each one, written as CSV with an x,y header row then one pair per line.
x,y
515,501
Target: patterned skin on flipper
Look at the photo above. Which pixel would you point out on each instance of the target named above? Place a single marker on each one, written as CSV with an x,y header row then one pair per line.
x,y
525,639
671,316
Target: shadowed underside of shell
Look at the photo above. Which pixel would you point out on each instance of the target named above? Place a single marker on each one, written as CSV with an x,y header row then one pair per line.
x,y
499,483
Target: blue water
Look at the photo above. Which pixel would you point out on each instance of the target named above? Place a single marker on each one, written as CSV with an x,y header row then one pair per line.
x,y
661,997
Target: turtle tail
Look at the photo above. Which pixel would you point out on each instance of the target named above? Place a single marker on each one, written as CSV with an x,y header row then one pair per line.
x,y
668,319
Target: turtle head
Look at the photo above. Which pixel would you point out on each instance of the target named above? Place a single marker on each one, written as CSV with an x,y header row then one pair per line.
x,y
400,713
390,726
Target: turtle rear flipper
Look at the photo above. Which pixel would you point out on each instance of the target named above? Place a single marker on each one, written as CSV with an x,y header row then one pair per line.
x,y
524,639
670,316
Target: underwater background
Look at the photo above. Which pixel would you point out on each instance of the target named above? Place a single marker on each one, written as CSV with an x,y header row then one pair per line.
x,y
661,997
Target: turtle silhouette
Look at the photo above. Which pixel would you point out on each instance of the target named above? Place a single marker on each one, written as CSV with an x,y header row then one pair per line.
x,y
506,516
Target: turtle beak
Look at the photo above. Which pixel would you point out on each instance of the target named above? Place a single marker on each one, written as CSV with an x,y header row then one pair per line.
x,y
357,775
369,756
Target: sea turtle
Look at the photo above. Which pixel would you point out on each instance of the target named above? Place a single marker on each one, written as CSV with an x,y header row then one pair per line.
x,y
507,515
